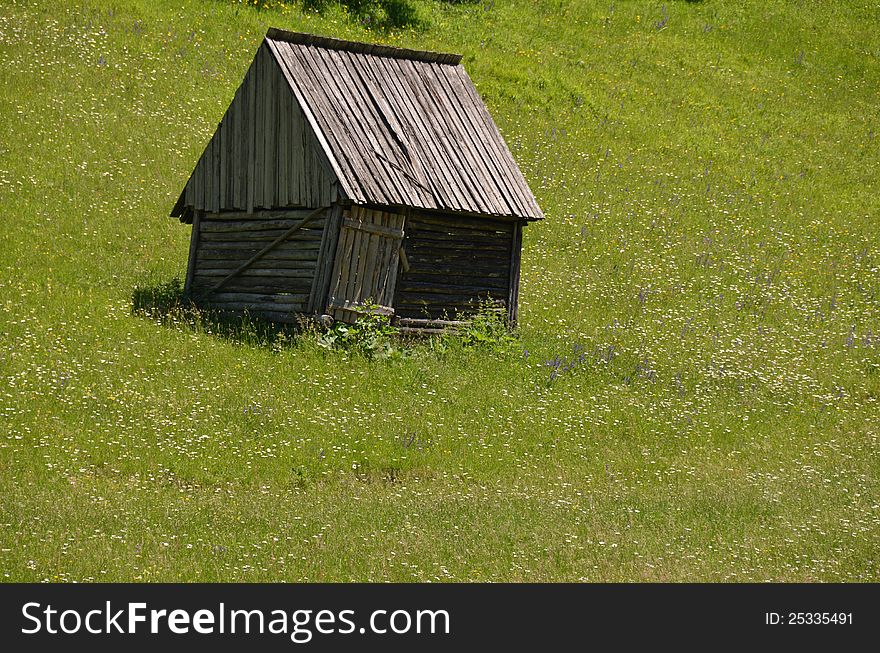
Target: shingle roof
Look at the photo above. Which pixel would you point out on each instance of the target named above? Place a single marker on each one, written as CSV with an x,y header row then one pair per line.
x,y
402,127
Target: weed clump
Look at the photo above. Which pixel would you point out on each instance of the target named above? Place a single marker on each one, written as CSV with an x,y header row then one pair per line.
x,y
372,335
486,327
375,337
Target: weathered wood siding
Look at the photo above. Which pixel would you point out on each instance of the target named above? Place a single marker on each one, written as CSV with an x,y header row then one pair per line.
x,y
263,154
278,285
454,263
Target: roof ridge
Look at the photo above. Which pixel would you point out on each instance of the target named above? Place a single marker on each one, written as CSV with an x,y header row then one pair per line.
x,y
303,38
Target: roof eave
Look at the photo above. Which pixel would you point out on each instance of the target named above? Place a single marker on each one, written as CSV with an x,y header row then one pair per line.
x,y
303,38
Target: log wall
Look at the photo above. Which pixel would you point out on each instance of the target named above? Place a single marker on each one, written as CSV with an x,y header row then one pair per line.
x,y
454,263
448,264
279,284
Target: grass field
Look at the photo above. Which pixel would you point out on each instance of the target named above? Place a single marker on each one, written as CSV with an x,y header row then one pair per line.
x,y
694,392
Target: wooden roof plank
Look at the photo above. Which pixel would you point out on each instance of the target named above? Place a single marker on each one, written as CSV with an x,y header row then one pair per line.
x,y
418,134
436,160
484,145
339,130
338,106
480,172
491,153
492,129
366,115
469,193
384,120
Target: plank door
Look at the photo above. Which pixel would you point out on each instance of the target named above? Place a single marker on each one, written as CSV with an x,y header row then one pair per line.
x,y
366,263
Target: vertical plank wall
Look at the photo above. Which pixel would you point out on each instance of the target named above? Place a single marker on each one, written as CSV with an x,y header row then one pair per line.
x,y
261,173
263,154
365,269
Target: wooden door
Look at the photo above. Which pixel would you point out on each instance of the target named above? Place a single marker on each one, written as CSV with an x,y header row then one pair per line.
x,y
365,270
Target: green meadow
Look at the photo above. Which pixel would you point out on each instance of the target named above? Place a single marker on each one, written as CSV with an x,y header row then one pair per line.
x,y
693,392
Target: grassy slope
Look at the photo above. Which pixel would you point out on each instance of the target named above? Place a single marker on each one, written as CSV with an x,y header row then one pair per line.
x,y
709,273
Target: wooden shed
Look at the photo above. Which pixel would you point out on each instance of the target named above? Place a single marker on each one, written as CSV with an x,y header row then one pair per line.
x,y
344,173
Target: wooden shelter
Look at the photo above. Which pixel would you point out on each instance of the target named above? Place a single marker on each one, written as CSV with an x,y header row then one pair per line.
x,y
344,173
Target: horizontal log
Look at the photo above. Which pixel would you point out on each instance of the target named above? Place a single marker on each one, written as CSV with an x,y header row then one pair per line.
x,y
432,259
421,331
418,217
281,253
264,264
449,244
499,240
453,286
423,323
439,299
284,317
432,299
441,272
261,271
266,236
457,245
261,298
413,233
505,231
247,283
431,312
406,285
273,214
240,248
448,250
472,265
254,306
225,226
439,313
268,287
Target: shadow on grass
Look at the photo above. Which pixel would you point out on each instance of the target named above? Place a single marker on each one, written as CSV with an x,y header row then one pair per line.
x,y
164,303
371,337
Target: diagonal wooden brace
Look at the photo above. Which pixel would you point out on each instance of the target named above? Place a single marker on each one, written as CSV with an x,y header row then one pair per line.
x,y
268,248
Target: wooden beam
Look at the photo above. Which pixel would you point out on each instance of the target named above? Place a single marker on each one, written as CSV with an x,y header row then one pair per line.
x,y
427,323
268,248
513,287
326,257
193,248
379,230
404,261
357,307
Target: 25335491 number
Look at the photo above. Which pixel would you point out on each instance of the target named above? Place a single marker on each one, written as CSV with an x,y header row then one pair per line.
x,y
808,618
821,618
